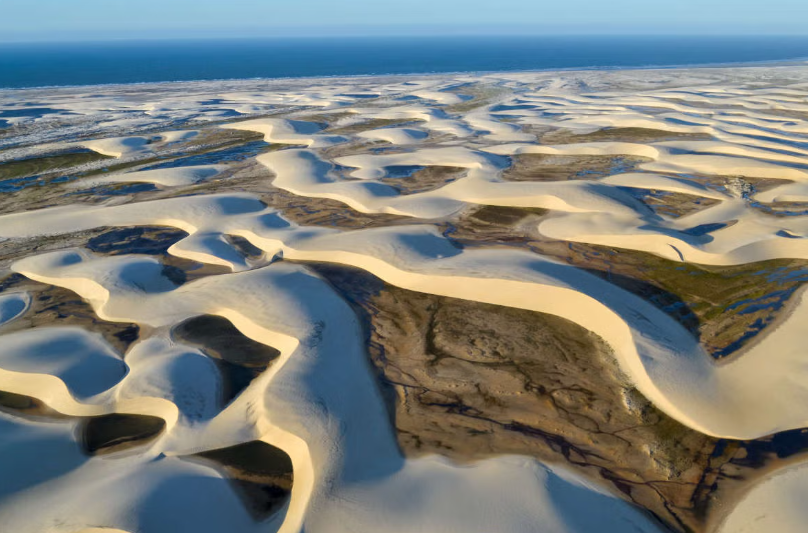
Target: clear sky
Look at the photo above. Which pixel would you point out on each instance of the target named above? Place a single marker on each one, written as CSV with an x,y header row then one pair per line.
x,y
44,20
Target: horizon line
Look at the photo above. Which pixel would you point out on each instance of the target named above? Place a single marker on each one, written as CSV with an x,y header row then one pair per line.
x,y
451,34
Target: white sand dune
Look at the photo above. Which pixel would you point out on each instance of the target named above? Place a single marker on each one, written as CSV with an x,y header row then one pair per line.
x,y
593,212
662,183
319,401
169,494
165,177
303,172
131,146
323,378
289,132
776,503
177,136
434,120
441,97
398,136
82,361
668,158
118,147
488,126
790,192
664,361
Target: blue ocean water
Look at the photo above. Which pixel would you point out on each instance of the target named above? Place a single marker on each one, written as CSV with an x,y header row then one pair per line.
x,y
49,64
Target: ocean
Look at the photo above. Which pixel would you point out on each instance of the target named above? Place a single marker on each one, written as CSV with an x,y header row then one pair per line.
x,y
91,63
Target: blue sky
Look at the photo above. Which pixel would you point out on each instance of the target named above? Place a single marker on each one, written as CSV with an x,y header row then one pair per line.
x,y
106,19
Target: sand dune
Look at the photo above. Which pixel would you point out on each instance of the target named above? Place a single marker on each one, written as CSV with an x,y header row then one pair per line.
x,y
773,504
399,136
289,132
662,359
321,365
168,177
319,401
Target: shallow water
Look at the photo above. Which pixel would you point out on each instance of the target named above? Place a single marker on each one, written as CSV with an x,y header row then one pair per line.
x,y
402,171
227,155
29,112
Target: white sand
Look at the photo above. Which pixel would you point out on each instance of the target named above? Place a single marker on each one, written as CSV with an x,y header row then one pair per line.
x,y
399,136
322,364
164,177
775,504
288,132
319,402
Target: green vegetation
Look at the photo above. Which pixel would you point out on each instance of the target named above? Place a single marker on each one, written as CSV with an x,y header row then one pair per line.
x,y
553,167
40,165
637,135
506,216
481,95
